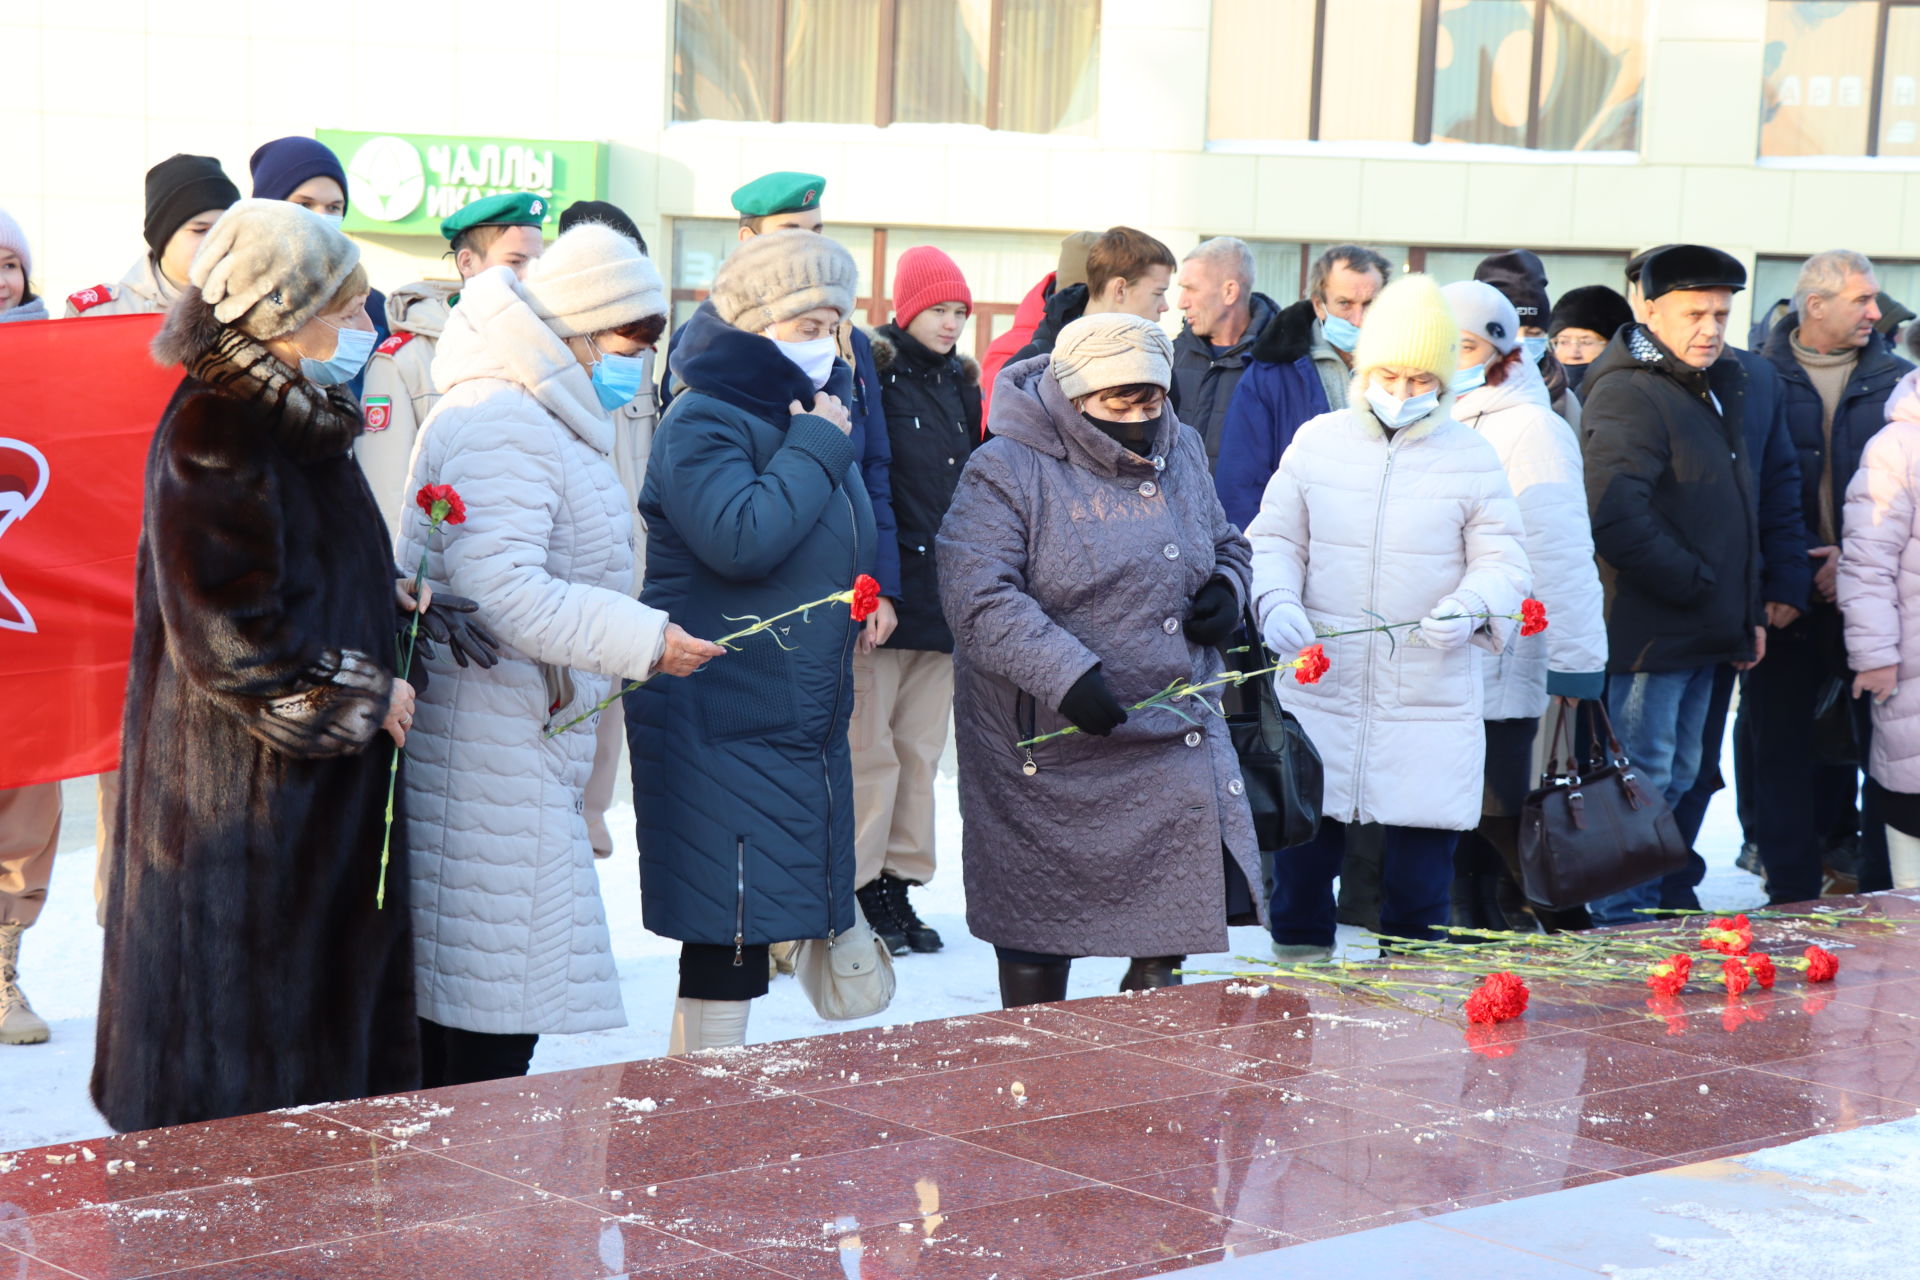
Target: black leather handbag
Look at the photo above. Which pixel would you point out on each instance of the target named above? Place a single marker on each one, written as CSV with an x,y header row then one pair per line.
x,y
1279,766
1586,835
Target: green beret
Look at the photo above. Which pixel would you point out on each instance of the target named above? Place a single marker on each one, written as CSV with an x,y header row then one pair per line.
x,y
779,193
508,209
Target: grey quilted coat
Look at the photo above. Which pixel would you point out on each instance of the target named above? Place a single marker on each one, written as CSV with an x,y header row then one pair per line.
x,y
1061,550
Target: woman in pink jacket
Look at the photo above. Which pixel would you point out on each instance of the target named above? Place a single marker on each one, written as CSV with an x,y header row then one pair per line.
x,y
1879,591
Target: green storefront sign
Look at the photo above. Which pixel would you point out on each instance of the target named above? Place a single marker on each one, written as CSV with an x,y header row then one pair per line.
x,y
405,183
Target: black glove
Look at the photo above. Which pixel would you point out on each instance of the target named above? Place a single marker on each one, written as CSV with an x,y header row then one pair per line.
x,y
449,621
1090,707
1216,613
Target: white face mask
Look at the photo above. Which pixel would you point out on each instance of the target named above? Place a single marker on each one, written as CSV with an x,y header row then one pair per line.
x,y
815,358
1394,413
332,219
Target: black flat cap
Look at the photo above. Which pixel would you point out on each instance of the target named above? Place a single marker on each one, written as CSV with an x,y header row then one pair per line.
x,y
1690,266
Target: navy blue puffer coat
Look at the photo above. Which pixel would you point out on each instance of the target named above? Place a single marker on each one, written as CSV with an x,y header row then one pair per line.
x,y
741,778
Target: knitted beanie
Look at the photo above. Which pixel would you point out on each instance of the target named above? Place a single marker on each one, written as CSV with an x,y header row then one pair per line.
x,y
778,275
1484,312
593,279
606,214
12,237
267,267
181,187
1112,349
280,166
1071,269
925,277
1409,326
1522,277
1593,307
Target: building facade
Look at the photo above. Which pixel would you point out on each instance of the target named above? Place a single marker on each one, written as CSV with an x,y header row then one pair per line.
x,y
1435,130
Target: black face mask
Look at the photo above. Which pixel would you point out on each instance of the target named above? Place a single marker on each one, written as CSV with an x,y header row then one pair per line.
x,y
1137,436
1576,374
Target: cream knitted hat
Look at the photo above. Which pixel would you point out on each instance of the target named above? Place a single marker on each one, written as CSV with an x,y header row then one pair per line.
x,y
778,275
593,279
1409,326
267,267
1111,350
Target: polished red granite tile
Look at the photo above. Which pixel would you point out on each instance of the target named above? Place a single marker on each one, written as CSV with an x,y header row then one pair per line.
x,y
237,1220
1895,996
1753,1029
884,1053
1531,1070
1009,1093
1060,1020
1092,1231
1307,1189
1172,1133
1197,1006
805,1202
1334,1033
619,1157
543,1103
1703,1112
1888,1069
129,1166
18,1266
1189,1051
560,1240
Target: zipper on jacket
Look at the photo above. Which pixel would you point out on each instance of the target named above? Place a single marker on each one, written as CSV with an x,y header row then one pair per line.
x,y
839,690
739,901
1026,712
1373,601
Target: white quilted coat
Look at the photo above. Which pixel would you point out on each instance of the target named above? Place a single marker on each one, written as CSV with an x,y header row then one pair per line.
x,y
1354,525
1879,583
1541,456
509,932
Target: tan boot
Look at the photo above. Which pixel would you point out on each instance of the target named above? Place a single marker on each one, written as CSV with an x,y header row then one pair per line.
x,y
707,1024
19,1024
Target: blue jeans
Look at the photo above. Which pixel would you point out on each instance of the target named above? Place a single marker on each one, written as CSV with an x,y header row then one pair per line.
x,y
1416,868
1660,717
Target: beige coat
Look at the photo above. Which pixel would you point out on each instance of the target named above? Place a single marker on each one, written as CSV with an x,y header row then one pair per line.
x,y
397,393
142,291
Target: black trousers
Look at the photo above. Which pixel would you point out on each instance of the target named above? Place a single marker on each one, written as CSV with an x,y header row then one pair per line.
x,y
449,1055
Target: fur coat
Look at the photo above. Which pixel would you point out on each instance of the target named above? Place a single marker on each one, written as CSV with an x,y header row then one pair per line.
x,y
246,965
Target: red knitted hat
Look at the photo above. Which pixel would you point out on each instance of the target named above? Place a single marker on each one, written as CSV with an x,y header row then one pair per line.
x,y
925,277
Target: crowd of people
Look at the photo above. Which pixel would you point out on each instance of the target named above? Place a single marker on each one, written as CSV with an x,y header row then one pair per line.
x,y
1094,513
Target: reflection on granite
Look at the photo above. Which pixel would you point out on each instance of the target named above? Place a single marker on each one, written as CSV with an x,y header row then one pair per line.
x,y
1123,1136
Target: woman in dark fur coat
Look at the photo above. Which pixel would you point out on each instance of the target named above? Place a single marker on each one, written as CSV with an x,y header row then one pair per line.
x,y
247,967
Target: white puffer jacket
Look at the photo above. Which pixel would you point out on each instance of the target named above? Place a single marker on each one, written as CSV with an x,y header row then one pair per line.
x,y
1541,455
509,932
1360,529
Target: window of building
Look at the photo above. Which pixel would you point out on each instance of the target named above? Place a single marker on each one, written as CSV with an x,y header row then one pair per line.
x,y
1000,268
1842,78
1029,66
1560,75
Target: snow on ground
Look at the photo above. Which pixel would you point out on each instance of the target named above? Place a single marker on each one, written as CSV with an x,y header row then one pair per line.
x,y
43,1088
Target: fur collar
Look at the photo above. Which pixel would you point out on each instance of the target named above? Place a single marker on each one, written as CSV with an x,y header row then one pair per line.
x,y
894,345
312,423
1288,337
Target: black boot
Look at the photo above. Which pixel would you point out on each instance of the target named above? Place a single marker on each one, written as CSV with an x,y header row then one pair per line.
x,y
876,904
1024,983
1146,973
1512,907
919,936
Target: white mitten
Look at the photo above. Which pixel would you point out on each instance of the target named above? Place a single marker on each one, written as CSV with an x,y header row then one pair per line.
x,y
1448,626
1287,629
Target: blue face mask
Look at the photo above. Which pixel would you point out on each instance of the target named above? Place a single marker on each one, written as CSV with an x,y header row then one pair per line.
x,y
351,351
1395,413
1465,380
617,379
1343,334
1536,347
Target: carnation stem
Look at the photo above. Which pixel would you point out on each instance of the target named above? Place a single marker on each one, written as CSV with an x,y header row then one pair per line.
x,y
393,771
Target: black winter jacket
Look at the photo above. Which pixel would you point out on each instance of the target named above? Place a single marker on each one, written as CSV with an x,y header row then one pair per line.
x,y
1063,308
1203,382
1674,518
1860,415
933,421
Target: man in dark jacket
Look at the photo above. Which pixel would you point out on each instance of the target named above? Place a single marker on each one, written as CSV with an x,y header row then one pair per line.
x,y
1225,317
1298,368
1835,373
1127,270
1675,524
773,202
1069,271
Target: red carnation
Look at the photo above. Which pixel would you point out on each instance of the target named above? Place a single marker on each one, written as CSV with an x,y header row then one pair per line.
x,y
1499,996
1730,937
1821,964
1533,617
1735,975
1670,975
1312,664
441,503
866,597
1762,968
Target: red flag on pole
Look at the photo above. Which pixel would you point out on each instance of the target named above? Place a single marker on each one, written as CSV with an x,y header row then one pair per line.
x,y
79,401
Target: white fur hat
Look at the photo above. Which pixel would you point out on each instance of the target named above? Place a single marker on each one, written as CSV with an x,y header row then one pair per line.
x,y
267,267
1113,349
593,279
778,275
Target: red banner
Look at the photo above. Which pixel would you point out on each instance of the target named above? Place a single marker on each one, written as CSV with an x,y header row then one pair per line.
x,y
79,401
